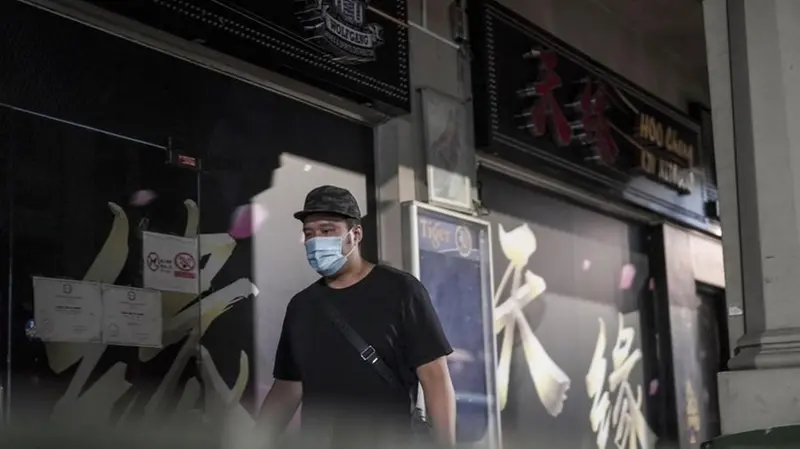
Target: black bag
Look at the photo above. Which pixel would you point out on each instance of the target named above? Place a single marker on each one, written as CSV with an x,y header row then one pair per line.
x,y
420,427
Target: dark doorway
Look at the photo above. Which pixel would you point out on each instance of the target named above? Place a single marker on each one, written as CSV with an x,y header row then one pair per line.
x,y
712,333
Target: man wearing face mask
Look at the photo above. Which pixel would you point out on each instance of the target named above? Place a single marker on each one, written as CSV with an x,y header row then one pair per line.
x,y
356,343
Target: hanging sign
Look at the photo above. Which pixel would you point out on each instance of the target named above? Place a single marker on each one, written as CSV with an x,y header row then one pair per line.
x,y
533,91
171,263
67,311
579,114
343,27
356,49
132,316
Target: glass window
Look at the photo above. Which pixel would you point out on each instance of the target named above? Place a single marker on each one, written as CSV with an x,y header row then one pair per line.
x,y
87,123
569,285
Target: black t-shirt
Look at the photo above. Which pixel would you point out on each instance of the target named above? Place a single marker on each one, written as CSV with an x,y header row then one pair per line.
x,y
343,396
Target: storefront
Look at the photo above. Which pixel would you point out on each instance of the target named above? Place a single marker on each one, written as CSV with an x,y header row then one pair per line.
x,y
583,300
597,195
103,140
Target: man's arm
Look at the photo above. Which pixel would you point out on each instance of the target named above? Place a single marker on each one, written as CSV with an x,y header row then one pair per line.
x,y
286,393
440,399
280,406
428,349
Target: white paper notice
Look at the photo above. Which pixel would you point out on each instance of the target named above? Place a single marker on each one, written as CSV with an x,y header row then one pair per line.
x,y
170,263
131,316
67,311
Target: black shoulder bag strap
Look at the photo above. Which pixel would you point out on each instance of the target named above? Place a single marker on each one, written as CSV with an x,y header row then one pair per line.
x,y
419,425
365,350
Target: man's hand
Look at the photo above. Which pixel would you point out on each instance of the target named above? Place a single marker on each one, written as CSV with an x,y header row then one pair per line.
x,y
440,399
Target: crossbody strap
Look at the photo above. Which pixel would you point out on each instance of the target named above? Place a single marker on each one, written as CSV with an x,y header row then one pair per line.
x,y
365,350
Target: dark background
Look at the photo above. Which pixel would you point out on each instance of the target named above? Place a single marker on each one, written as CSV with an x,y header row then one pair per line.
x,y
56,90
269,35
565,317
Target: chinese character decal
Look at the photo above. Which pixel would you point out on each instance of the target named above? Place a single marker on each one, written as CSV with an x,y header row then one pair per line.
x,y
592,104
616,410
187,317
549,379
546,108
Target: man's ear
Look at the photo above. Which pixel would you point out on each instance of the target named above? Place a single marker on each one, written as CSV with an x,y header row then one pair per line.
x,y
358,233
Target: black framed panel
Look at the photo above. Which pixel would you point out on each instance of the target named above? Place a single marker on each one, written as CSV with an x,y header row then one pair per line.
x,y
574,336
353,48
543,105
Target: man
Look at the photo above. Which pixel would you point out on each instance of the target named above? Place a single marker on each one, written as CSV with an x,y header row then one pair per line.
x,y
344,397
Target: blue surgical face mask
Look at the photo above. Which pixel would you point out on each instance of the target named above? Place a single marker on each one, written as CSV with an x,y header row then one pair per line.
x,y
325,254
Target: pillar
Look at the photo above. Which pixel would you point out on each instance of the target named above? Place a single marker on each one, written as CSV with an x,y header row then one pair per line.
x,y
400,163
754,72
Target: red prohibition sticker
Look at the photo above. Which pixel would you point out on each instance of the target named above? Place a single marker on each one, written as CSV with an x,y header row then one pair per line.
x,y
184,262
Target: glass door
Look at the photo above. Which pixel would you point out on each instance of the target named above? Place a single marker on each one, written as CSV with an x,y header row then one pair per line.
x,y
5,258
78,203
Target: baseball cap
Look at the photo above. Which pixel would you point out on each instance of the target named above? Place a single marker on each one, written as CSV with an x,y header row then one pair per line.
x,y
329,200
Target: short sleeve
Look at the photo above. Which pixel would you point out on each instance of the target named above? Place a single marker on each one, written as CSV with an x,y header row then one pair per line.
x,y
424,337
285,364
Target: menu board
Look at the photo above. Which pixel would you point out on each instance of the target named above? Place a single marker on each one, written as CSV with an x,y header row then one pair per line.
x,y
451,258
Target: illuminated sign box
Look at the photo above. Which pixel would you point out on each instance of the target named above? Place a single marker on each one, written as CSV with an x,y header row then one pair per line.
x,y
353,48
450,254
536,94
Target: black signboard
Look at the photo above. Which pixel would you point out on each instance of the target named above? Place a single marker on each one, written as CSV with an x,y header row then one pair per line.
x,y
353,48
535,93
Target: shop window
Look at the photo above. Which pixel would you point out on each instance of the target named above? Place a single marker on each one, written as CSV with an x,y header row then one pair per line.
x,y
574,361
88,120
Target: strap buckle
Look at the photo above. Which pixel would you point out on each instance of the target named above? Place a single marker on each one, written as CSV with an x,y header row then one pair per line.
x,y
369,355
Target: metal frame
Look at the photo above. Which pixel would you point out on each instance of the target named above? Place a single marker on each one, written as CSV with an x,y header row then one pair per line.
x,y
425,93
611,207
197,54
411,255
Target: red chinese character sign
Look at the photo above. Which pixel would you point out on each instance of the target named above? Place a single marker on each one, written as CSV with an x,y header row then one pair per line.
x,y
546,111
592,104
547,107
546,116
590,121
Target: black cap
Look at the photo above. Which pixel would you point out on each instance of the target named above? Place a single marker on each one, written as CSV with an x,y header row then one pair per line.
x,y
330,200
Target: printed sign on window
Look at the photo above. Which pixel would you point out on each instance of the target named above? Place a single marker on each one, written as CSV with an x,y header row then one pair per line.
x,y
132,316
170,263
66,310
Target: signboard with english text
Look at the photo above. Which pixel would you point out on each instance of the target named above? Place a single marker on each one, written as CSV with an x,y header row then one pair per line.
x,y
170,263
545,106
